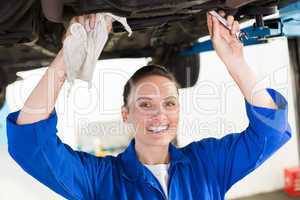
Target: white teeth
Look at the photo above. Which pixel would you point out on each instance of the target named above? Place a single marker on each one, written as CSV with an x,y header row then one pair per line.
x,y
158,129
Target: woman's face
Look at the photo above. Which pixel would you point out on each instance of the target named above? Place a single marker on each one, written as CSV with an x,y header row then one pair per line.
x,y
153,110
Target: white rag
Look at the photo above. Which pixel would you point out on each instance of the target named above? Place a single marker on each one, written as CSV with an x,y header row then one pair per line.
x,y
82,49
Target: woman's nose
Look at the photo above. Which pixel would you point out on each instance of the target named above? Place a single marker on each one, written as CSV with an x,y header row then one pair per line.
x,y
159,112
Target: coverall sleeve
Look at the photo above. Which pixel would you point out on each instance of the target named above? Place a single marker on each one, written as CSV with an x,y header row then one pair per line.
x,y
236,155
38,150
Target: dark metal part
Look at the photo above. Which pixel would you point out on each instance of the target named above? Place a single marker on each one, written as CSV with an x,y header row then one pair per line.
x,y
294,53
53,10
140,24
237,3
260,10
259,21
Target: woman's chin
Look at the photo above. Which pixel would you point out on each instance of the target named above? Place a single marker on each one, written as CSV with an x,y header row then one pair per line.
x,y
163,138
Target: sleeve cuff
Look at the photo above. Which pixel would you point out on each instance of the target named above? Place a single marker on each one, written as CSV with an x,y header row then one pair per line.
x,y
21,137
261,118
12,118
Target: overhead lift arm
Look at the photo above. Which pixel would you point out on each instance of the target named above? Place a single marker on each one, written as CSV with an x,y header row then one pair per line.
x,y
287,24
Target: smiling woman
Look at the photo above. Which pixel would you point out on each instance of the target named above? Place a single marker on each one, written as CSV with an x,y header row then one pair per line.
x,y
151,167
151,105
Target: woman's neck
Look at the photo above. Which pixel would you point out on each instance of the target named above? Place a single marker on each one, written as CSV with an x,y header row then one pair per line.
x,y
152,155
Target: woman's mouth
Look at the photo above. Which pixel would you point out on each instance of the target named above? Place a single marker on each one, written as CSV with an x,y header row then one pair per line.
x,y
157,129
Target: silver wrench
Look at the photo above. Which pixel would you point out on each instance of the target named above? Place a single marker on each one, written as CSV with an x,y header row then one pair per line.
x,y
241,36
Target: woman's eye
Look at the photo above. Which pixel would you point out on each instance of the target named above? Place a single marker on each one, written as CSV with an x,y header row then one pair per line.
x,y
170,104
145,105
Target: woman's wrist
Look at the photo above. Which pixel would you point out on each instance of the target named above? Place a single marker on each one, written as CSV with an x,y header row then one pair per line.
x,y
58,63
236,63
58,67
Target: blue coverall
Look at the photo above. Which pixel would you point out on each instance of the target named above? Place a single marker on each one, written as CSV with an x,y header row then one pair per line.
x,y
202,170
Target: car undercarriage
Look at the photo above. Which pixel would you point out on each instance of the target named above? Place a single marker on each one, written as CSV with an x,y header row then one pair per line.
x,y
31,31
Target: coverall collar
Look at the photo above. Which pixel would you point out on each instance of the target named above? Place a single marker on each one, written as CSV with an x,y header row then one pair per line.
x,y
133,169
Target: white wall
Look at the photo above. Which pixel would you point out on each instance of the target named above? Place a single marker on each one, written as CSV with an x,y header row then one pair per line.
x,y
216,107
81,108
15,184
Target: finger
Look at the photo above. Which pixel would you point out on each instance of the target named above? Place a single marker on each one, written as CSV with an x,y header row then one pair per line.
x,y
235,27
80,19
73,20
209,23
109,21
230,20
109,26
87,23
92,20
68,32
215,27
222,13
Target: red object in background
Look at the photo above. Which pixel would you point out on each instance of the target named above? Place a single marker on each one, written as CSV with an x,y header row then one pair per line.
x,y
292,176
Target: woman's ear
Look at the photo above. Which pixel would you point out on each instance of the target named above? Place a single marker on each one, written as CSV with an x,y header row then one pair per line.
x,y
125,113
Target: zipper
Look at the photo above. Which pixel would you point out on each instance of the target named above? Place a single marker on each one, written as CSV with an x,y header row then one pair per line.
x,y
152,184
172,171
158,190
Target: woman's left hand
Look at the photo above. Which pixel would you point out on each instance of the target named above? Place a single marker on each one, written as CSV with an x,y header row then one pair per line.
x,y
225,42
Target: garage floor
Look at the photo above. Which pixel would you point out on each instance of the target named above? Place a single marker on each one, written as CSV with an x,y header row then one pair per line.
x,y
278,195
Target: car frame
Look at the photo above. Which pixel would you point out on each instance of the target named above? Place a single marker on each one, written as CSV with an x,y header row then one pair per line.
x,y
31,31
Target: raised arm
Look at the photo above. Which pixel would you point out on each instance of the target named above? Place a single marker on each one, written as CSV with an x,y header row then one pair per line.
x,y
230,50
34,145
234,156
41,101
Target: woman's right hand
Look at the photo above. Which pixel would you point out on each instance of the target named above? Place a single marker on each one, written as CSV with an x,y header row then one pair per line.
x,y
88,21
41,101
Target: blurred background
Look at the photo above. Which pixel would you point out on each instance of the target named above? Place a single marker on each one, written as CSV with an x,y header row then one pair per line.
x,y
90,120
211,105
